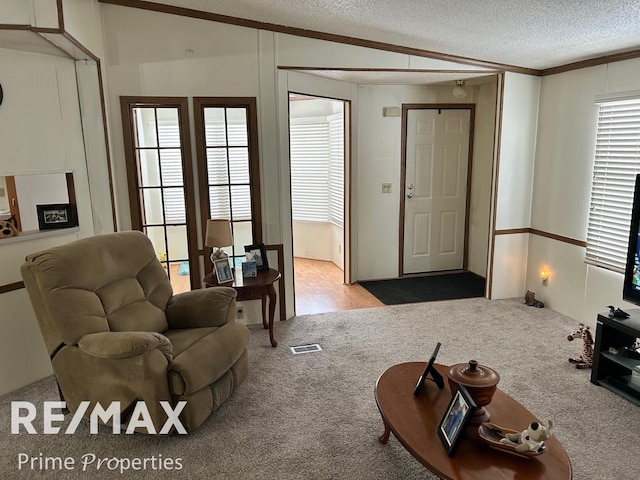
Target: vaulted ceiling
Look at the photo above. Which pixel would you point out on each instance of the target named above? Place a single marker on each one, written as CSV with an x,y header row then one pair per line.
x,y
535,34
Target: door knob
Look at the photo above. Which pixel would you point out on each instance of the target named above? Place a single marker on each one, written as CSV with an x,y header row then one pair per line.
x,y
410,195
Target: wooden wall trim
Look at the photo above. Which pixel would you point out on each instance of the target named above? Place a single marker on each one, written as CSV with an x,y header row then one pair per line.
x,y
300,32
559,238
592,62
541,233
10,287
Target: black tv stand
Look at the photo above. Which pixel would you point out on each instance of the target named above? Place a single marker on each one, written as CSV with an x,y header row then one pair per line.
x,y
614,371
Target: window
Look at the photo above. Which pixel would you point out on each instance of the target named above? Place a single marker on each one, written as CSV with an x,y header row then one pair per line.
x,y
617,161
160,184
317,168
228,166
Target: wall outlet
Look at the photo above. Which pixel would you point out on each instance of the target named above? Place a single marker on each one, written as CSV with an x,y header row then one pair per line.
x,y
239,313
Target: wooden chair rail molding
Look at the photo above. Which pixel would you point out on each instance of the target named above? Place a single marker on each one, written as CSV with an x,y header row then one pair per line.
x,y
10,287
541,233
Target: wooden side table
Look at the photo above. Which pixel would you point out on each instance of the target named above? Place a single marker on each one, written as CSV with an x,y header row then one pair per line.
x,y
254,288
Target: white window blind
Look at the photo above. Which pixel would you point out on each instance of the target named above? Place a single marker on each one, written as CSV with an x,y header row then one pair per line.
x,y
617,161
317,169
310,169
171,165
228,167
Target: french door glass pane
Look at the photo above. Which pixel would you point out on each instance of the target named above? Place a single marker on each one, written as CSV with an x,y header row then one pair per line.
x,y
146,127
168,127
239,165
217,166
237,121
242,235
220,202
241,202
179,276
156,235
149,170
152,199
177,248
174,203
215,127
171,164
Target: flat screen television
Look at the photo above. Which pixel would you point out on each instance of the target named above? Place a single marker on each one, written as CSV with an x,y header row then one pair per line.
x,y
631,286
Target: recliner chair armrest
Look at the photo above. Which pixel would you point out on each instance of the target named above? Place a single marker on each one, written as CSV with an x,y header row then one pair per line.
x,y
124,344
208,307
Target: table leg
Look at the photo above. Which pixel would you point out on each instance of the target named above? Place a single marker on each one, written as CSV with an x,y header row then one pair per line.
x,y
384,438
272,313
265,325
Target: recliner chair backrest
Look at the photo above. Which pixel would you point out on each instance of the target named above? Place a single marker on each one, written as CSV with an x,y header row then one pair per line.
x,y
111,282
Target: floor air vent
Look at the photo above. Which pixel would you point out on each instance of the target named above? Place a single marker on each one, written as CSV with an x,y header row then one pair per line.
x,y
305,349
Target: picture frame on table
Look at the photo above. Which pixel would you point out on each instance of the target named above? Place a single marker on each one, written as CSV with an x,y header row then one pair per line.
x,y
224,273
257,253
455,419
430,369
56,215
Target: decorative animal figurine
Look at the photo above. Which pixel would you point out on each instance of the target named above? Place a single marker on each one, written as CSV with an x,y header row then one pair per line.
x,y
529,299
8,227
586,358
531,439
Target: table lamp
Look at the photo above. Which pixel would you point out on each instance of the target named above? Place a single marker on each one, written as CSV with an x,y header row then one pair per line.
x,y
218,235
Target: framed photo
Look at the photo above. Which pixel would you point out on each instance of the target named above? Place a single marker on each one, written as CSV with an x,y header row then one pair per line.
x,y
224,274
249,269
430,369
454,421
56,215
257,253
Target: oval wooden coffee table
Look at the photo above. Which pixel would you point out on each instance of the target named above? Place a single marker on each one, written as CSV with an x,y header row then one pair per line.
x,y
414,422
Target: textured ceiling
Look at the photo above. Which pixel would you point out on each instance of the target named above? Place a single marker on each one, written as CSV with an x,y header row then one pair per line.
x,y
536,34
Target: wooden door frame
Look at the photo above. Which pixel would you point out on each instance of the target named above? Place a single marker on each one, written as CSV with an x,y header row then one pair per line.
x,y
403,171
347,114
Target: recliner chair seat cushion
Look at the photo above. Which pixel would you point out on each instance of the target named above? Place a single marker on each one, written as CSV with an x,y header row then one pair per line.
x,y
205,355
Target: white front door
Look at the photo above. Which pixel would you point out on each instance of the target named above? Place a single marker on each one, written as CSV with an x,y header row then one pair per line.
x,y
437,161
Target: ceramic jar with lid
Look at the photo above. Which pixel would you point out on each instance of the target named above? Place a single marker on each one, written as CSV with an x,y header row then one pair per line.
x,y
481,383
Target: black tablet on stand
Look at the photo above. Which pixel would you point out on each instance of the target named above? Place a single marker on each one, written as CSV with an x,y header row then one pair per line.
x,y
430,369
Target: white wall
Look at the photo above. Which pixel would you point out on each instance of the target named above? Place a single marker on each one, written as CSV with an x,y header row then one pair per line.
x,y
47,138
40,189
513,202
379,161
562,188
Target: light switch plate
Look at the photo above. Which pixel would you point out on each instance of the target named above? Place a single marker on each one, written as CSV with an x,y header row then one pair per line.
x,y
386,188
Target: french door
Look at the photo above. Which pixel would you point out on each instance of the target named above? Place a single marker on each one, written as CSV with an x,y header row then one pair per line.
x,y
160,176
160,181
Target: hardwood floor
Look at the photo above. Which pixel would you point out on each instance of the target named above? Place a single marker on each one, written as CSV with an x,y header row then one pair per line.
x,y
319,289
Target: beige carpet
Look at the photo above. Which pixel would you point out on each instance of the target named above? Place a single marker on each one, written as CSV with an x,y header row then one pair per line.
x,y
314,416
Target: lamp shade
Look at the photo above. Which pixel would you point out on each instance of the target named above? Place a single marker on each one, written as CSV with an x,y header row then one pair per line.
x,y
218,233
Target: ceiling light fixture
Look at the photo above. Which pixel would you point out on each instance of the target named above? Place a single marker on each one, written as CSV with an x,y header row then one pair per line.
x,y
459,91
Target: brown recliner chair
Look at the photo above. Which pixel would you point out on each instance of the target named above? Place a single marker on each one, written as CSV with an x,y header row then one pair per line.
x,y
115,331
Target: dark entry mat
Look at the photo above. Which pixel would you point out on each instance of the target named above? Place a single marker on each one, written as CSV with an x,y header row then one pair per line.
x,y
427,289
